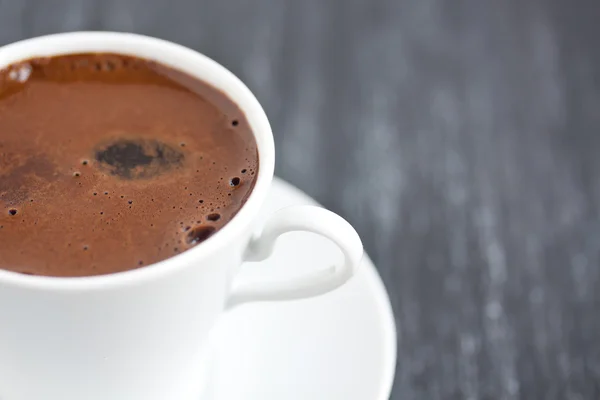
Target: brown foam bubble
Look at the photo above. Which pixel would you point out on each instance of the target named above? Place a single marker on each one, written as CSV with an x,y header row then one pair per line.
x,y
199,234
82,133
213,217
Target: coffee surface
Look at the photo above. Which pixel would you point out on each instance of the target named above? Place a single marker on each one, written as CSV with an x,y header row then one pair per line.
x,y
110,162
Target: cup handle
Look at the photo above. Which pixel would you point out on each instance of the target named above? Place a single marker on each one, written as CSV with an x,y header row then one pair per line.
x,y
309,219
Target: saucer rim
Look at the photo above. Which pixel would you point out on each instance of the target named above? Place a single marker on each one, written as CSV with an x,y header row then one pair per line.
x,y
384,306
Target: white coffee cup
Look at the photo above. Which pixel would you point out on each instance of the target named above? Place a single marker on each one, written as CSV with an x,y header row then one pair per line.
x,y
142,334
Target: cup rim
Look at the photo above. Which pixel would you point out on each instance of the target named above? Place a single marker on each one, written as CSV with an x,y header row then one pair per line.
x,y
195,64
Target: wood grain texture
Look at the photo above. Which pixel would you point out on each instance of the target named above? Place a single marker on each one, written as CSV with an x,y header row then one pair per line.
x,y
459,137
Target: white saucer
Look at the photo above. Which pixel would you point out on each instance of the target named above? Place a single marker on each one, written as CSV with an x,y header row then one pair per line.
x,y
338,346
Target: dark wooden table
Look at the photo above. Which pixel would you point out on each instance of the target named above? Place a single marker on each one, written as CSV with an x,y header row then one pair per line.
x,y
460,137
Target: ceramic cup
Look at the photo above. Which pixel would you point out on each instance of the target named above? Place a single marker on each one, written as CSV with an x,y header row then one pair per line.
x,y
142,334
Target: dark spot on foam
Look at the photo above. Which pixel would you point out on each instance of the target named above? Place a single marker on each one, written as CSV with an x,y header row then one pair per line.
x,y
18,173
12,211
235,122
234,181
244,171
213,217
137,159
199,234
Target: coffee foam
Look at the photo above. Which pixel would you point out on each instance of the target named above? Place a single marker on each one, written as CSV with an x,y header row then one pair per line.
x,y
109,162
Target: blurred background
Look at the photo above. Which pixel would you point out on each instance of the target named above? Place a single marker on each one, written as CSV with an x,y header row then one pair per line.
x,y
461,138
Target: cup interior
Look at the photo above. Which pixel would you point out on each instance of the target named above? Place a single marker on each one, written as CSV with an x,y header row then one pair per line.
x,y
194,64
